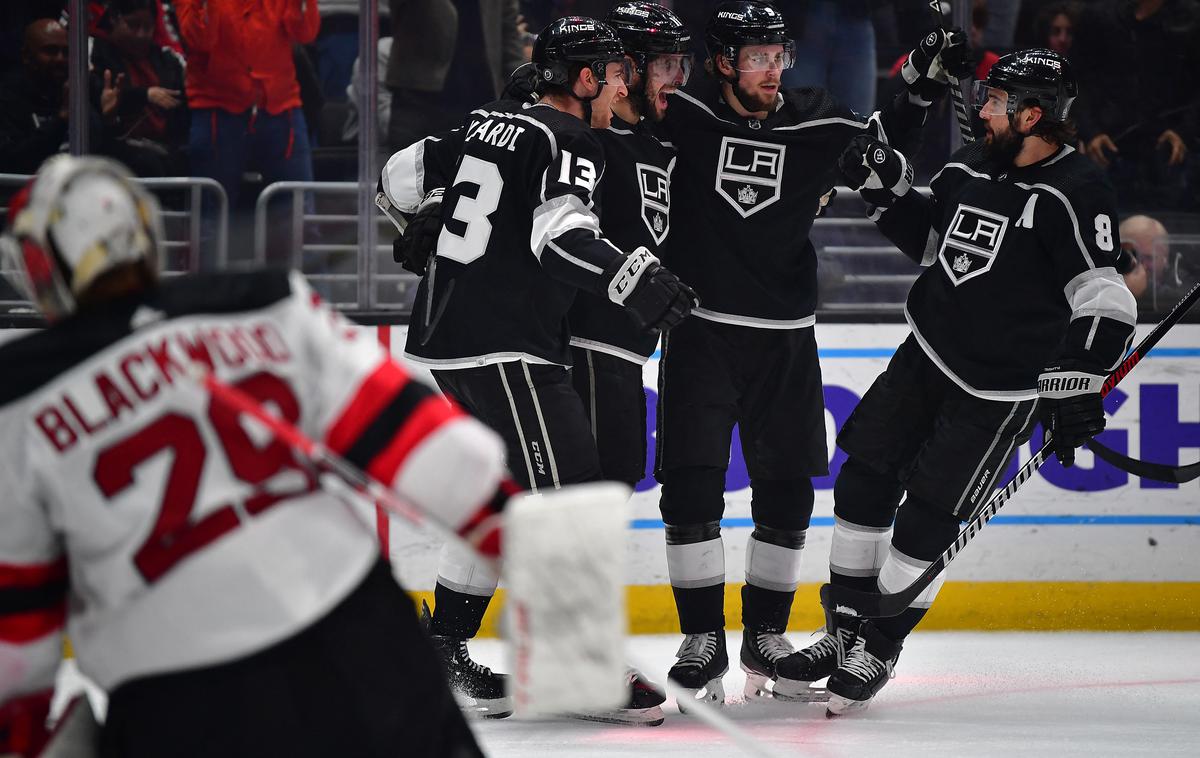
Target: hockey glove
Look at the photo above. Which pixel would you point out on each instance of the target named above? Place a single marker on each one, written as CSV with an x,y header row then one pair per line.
x,y
654,297
418,243
1071,408
939,53
877,170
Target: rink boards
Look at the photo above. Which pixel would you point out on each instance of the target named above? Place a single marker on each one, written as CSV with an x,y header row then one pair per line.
x,y
1085,548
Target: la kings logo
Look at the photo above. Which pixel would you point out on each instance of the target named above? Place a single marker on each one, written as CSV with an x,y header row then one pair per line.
x,y
655,187
749,174
971,242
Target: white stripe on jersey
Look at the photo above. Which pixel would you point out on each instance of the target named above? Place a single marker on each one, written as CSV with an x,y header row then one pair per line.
x,y
1007,396
403,177
751,321
557,216
778,105
1070,212
1101,292
475,361
613,350
961,167
528,119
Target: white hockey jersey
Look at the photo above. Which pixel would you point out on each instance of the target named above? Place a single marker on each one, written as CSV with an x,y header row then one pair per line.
x,y
166,532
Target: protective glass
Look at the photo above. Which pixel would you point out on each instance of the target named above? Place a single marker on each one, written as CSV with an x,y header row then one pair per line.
x,y
670,68
767,57
989,101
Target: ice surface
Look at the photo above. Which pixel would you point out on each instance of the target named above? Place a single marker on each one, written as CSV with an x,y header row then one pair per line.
x,y
983,695
960,694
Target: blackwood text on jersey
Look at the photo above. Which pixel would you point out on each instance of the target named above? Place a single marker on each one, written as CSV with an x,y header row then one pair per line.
x,y
136,376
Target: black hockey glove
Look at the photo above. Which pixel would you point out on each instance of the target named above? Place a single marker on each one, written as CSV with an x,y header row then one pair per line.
x,y
418,243
654,297
939,53
522,84
1070,405
880,172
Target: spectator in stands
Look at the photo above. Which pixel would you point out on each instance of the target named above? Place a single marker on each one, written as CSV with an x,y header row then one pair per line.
x,y
835,49
242,89
336,47
1138,62
1054,26
449,56
152,113
1159,277
33,102
165,33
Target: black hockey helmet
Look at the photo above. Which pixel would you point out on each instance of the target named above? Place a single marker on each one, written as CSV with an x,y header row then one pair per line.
x,y
746,22
647,30
1038,75
575,40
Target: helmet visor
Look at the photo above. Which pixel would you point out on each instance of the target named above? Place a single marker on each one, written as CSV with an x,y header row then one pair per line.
x,y
989,101
670,68
766,57
615,72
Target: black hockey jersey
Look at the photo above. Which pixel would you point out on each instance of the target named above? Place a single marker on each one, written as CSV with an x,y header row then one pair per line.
x,y
1020,270
746,193
636,197
519,235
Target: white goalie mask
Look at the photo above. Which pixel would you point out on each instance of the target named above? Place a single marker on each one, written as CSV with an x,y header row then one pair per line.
x,y
78,219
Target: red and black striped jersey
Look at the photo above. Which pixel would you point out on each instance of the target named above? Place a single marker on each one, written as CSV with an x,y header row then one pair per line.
x,y
183,534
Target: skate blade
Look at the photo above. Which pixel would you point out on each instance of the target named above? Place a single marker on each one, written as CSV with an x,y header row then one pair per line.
x,y
500,708
652,716
759,686
843,706
713,692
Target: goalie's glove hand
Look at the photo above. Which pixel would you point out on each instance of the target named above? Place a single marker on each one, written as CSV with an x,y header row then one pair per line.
x,y
655,298
881,173
939,53
418,243
1070,406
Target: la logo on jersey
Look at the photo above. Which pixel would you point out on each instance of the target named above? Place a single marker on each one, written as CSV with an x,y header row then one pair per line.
x,y
971,242
749,174
656,200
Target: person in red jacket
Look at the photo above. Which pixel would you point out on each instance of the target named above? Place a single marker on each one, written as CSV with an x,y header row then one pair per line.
x,y
241,86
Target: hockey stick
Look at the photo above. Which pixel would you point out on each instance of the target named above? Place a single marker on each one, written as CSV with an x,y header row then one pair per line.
x,y
960,105
850,602
1159,472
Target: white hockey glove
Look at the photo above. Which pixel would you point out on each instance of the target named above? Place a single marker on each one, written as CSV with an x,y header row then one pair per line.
x,y
1071,407
654,296
881,173
939,53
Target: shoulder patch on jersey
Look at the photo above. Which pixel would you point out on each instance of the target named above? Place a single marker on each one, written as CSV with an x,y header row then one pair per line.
x,y
38,358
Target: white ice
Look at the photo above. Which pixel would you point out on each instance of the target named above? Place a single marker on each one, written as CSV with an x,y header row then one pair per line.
x,y
982,695
959,694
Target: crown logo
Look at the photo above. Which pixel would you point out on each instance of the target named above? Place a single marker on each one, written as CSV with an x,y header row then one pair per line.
x,y
658,223
747,196
962,263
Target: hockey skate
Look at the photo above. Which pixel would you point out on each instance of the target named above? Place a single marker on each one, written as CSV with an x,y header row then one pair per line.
x,y
761,652
796,673
702,662
868,666
644,707
478,690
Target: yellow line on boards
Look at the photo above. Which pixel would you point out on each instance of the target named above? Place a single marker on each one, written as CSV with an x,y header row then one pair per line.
x,y
976,606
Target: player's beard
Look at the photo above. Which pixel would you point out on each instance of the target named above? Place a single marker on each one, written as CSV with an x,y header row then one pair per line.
x,y
753,102
1004,148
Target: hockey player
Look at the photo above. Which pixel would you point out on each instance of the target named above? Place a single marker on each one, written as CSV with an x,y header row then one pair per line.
x,y
1019,314
608,349
754,163
227,604
507,200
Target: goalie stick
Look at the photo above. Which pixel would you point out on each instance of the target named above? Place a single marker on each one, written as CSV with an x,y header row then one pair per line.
x,y
851,602
960,105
